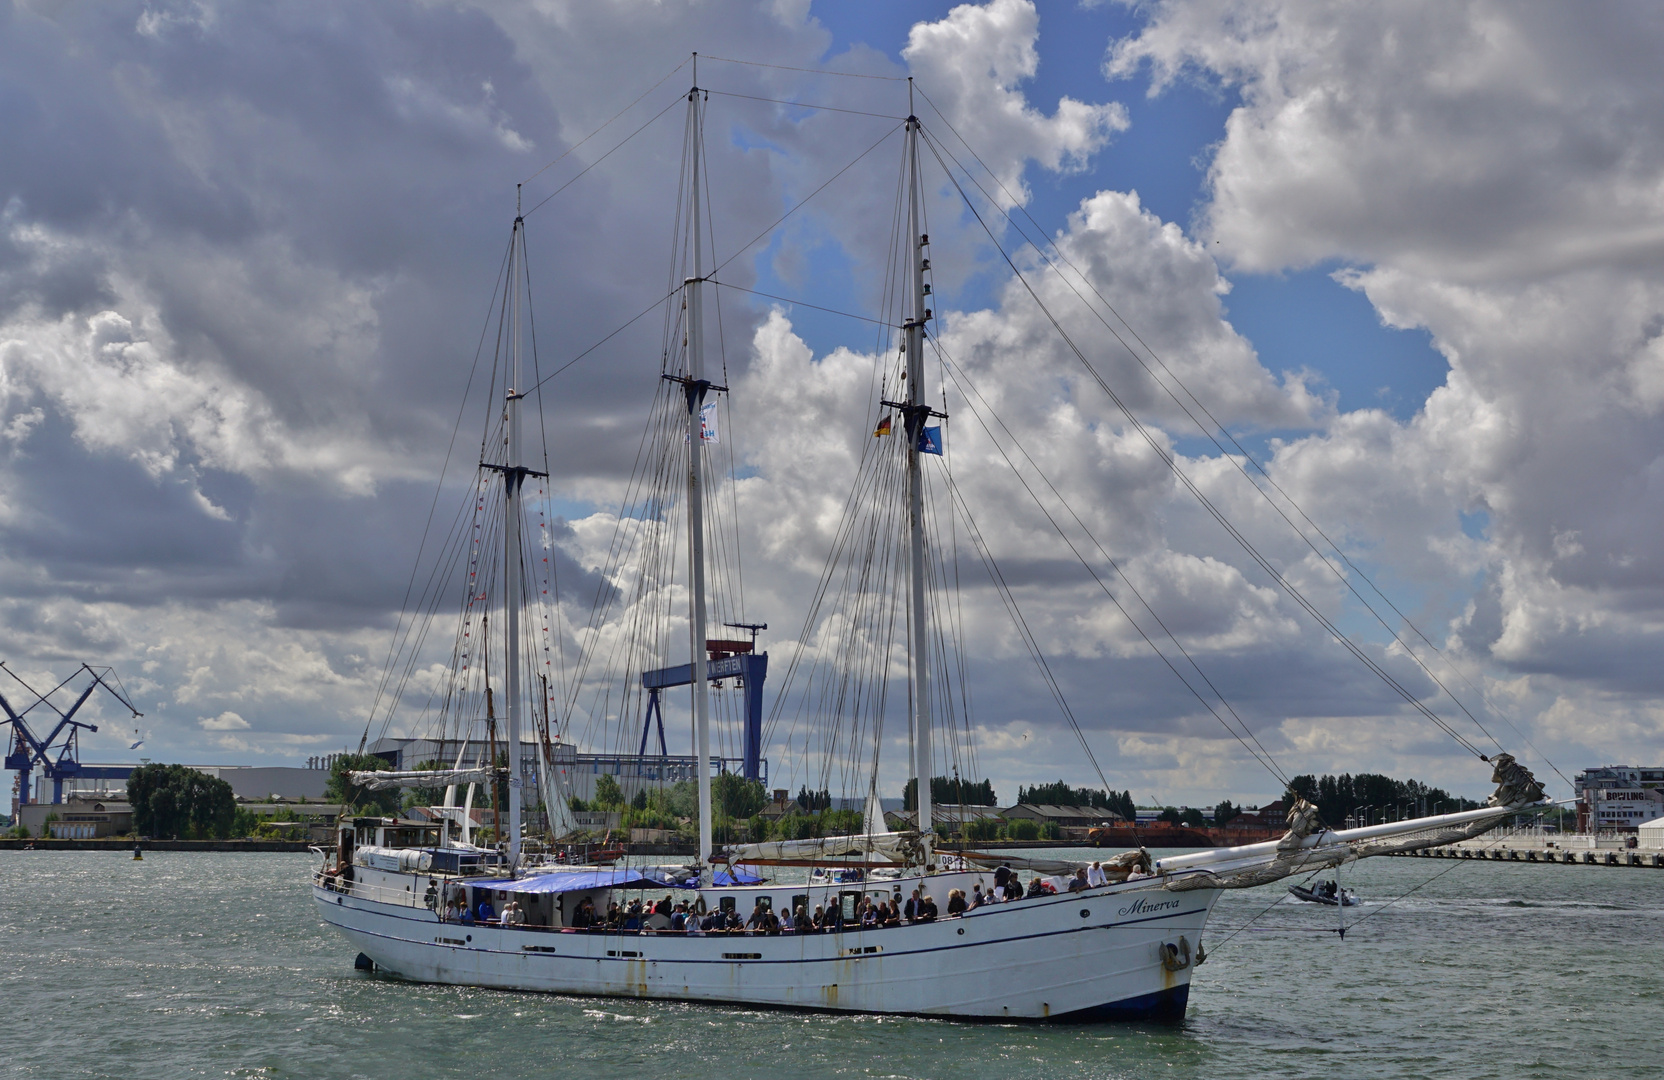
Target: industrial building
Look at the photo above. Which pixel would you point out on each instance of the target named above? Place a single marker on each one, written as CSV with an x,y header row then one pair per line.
x,y
108,783
578,772
91,818
77,819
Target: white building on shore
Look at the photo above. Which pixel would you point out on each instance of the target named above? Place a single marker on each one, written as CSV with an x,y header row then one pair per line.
x,y
1618,797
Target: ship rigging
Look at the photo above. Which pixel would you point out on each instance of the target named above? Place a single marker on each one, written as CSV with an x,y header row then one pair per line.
x,y
861,930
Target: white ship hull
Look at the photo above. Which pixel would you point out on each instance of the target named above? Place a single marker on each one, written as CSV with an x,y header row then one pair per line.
x,y
1080,956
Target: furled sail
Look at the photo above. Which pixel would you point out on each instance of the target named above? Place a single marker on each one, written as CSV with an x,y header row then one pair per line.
x,y
903,848
389,778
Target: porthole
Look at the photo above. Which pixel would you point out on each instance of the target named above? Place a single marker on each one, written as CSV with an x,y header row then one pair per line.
x,y
961,929
1084,912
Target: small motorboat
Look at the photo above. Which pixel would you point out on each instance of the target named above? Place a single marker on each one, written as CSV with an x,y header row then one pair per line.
x,y
1325,892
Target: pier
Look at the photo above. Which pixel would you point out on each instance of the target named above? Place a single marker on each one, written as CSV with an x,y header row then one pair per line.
x,y
1540,846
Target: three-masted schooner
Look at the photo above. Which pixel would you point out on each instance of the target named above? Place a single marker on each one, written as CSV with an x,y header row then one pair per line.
x,y
420,905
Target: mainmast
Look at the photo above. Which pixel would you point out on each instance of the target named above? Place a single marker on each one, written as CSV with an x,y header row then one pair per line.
x,y
696,386
917,411
514,476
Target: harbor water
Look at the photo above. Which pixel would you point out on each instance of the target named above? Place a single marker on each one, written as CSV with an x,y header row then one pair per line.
x,y
198,964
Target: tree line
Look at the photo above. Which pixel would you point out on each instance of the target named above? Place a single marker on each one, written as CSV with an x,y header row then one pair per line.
x,y
1060,794
1340,797
950,790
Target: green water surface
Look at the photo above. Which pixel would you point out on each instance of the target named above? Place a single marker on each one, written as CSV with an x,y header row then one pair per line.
x,y
198,965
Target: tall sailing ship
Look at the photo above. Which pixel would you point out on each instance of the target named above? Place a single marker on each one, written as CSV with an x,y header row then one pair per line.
x,y
422,901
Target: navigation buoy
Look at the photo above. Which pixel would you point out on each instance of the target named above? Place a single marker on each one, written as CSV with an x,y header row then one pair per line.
x,y
138,856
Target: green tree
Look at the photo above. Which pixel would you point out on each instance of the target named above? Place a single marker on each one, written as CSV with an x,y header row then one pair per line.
x,y
356,797
608,795
1023,829
736,796
681,799
646,818
813,801
243,823
172,801
982,829
1225,812
1193,818
1169,814
796,826
757,828
840,822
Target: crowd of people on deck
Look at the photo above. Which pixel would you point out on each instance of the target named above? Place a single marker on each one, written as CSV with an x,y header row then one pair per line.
x,y
682,917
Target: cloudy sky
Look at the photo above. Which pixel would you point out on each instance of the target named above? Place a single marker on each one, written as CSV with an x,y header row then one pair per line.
x,y
1411,255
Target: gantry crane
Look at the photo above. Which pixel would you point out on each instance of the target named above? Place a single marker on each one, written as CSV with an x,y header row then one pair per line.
x,y
59,761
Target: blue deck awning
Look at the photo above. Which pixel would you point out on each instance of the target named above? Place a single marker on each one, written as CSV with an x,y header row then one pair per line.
x,y
575,881
562,881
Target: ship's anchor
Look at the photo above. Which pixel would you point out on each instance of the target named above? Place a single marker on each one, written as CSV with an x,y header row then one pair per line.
x,y
1175,957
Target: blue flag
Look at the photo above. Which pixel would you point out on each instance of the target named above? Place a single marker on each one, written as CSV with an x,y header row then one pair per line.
x,y
930,440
